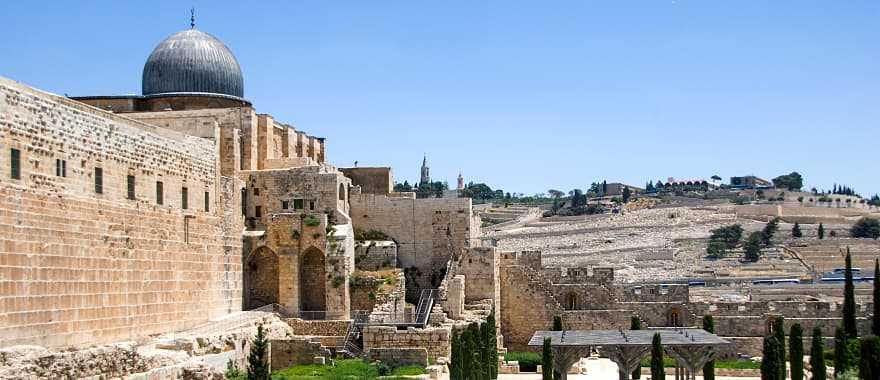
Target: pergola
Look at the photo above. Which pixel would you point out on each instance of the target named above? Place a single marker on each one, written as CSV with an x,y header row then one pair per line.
x,y
691,348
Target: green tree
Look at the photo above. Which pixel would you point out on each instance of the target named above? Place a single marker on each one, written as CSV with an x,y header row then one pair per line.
x,y
849,301
547,361
866,228
626,194
796,351
770,359
636,324
779,334
455,360
821,231
709,368
657,358
841,352
817,355
729,235
791,181
467,351
471,350
796,230
752,246
258,366
769,230
716,249
491,346
557,323
869,360
875,320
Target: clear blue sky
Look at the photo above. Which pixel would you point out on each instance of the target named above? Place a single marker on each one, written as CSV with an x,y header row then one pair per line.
x,y
524,96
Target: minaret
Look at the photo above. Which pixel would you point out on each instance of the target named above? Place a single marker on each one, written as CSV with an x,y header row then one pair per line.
x,y
460,181
426,176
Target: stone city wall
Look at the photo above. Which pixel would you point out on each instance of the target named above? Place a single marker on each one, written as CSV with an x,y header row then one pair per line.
x,y
435,340
375,255
286,353
318,327
371,180
81,266
528,305
428,232
399,357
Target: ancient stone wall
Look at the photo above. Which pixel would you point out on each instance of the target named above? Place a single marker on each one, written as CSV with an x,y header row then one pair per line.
x,y
398,357
81,262
286,353
480,266
375,255
435,340
318,327
428,232
528,305
378,181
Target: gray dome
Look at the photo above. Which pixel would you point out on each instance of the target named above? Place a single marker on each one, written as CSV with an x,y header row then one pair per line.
x,y
192,61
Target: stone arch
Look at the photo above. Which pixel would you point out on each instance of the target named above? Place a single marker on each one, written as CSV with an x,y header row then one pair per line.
x,y
341,192
261,278
313,280
675,317
570,301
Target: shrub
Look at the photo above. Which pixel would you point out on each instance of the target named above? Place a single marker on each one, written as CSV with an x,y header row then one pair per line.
x,y
866,228
258,366
311,221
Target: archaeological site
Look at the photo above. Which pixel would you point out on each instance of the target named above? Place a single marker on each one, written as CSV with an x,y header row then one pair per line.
x,y
174,233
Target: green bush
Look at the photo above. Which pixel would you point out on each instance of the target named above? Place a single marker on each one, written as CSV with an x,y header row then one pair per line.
x,y
311,221
528,361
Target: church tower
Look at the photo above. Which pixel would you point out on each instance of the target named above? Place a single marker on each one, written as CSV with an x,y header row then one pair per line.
x,y
426,175
460,182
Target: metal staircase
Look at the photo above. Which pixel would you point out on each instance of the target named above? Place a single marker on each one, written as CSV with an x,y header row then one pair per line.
x,y
423,309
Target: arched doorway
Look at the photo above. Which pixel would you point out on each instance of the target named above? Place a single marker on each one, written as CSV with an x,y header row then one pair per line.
x,y
261,278
674,317
570,302
312,275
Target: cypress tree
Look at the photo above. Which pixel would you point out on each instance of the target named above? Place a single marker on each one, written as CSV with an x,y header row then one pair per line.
x,y
796,231
547,361
869,365
875,321
821,231
849,301
472,353
657,359
779,334
258,366
636,324
817,356
467,354
709,368
455,362
841,352
557,323
796,351
770,360
492,346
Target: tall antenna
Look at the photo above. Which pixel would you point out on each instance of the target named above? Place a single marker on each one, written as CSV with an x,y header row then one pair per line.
x,y
192,18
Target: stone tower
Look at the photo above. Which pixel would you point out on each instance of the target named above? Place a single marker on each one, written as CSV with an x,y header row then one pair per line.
x,y
460,182
426,175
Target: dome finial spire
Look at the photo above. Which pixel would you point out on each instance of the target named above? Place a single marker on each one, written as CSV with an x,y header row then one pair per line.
x,y
192,18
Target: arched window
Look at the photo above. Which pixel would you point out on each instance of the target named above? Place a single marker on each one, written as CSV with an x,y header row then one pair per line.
x,y
341,192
